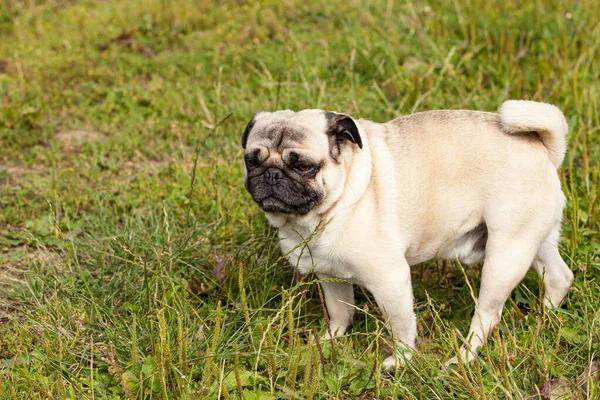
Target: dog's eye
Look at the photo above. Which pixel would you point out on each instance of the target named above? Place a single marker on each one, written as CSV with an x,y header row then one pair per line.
x,y
251,161
303,168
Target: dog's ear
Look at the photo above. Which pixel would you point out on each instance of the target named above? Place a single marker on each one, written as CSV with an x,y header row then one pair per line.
x,y
343,127
248,129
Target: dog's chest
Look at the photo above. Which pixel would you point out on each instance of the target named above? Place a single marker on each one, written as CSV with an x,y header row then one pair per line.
x,y
314,252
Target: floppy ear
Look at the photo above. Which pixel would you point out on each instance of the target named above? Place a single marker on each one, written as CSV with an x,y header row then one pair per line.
x,y
342,126
248,129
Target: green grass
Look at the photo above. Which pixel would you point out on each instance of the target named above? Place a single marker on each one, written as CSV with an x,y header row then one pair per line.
x,y
133,264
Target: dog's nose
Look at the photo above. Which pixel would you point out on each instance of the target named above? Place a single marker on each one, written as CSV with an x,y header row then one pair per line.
x,y
272,176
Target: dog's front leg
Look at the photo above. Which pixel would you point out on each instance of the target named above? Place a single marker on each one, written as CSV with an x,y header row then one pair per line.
x,y
339,299
392,290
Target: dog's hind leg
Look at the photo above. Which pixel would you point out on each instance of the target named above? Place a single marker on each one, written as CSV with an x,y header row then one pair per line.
x,y
508,258
550,266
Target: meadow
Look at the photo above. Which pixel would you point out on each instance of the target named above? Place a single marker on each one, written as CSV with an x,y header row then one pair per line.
x,y
134,265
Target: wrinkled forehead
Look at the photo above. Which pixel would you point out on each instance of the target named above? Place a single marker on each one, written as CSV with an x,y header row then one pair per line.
x,y
288,129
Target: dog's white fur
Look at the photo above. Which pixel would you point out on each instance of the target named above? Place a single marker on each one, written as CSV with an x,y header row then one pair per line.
x,y
420,189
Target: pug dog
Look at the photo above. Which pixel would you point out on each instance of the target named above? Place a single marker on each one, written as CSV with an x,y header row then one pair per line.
x,y
359,202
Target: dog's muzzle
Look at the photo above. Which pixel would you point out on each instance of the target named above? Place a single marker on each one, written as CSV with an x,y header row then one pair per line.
x,y
274,191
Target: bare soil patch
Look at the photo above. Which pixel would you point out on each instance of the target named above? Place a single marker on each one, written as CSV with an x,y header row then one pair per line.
x,y
77,137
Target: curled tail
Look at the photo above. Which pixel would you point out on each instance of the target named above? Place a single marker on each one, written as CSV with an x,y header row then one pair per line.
x,y
521,116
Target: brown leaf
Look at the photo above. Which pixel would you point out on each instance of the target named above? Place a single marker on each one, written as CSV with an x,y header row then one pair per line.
x,y
219,271
127,39
145,50
102,46
590,374
555,389
196,286
124,38
3,66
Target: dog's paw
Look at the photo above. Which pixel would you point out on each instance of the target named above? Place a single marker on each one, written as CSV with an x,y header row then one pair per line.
x,y
465,355
451,362
334,332
389,364
397,360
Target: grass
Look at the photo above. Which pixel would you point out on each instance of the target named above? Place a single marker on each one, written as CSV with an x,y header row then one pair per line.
x,y
133,264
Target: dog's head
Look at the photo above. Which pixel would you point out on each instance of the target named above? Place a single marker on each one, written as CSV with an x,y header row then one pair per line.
x,y
296,162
